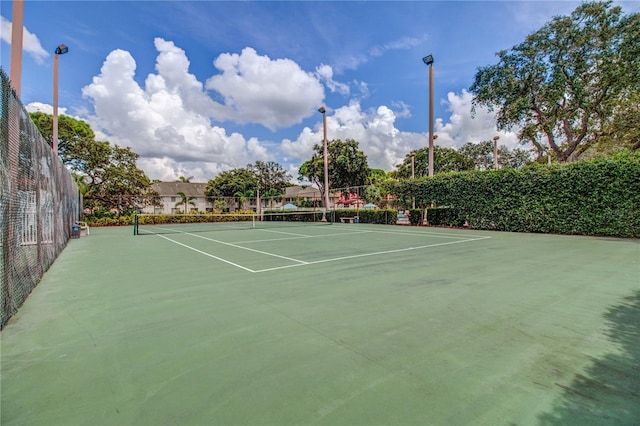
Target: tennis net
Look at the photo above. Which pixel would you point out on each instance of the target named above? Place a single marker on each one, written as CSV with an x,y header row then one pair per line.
x,y
149,224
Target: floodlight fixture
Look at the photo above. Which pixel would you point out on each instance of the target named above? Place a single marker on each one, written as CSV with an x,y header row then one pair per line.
x,y
60,50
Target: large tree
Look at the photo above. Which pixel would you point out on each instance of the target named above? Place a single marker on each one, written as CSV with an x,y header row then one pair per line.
x,y
564,83
347,165
231,182
481,154
272,178
444,160
109,175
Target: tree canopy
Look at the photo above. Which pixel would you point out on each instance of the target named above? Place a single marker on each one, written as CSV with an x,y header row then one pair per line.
x,y
481,154
444,160
347,165
108,176
272,178
564,84
231,182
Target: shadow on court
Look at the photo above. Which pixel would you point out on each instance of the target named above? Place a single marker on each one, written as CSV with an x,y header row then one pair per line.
x,y
609,390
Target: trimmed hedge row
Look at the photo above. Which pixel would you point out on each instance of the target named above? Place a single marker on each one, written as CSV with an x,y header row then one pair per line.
x,y
598,197
383,216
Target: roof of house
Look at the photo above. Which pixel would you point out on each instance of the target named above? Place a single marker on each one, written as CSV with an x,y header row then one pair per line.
x,y
301,191
172,188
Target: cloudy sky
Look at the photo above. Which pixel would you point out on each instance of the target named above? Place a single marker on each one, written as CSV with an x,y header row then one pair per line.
x,y
200,87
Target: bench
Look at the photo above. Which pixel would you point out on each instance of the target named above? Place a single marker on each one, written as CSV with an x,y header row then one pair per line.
x,y
84,228
349,219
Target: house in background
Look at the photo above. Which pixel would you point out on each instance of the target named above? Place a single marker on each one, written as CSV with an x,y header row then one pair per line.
x,y
304,197
169,197
307,196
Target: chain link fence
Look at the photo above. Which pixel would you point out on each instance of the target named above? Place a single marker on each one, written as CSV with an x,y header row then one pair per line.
x,y
39,203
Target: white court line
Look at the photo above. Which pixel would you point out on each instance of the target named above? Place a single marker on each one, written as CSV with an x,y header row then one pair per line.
x,y
427,234
302,263
205,253
299,237
335,259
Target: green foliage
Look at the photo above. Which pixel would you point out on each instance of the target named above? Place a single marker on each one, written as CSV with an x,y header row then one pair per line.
x,y
444,216
232,182
185,201
567,80
109,174
481,155
597,197
381,216
415,216
347,165
272,178
444,160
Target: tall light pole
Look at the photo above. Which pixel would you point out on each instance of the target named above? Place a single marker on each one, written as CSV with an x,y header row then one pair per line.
x,y
16,45
323,111
428,60
495,152
413,175
60,50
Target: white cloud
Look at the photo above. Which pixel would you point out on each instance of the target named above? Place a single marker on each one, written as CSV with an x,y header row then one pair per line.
x,y
464,127
355,60
374,129
325,73
275,93
174,124
168,120
40,107
385,145
30,42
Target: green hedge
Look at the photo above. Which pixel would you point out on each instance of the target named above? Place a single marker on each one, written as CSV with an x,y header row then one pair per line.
x,y
598,197
415,216
382,216
445,216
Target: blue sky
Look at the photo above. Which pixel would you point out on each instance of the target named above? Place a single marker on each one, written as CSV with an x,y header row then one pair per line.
x,y
200,87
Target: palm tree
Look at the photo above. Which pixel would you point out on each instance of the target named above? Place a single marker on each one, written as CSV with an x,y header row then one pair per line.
x,y
185,200
242,197
185,179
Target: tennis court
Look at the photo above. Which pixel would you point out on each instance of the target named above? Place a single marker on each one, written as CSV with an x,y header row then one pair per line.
x,y
339,324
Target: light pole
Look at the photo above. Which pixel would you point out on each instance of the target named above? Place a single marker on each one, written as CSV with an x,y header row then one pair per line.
x,y
495,152
428,60
413,175
60,50
323,111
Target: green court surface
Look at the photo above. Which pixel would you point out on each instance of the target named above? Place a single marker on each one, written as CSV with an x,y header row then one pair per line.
x,y
348,324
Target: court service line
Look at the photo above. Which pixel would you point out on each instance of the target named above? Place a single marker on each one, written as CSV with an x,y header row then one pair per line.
x,y
207,254
335,259
302,262
428,234
301,236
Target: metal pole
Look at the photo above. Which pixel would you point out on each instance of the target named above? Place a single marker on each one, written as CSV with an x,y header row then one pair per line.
x,y
431,119
413,176
326,160
495,152
54,132
17,18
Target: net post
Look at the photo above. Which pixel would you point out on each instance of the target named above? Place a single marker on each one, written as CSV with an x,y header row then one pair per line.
x,y
135,224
